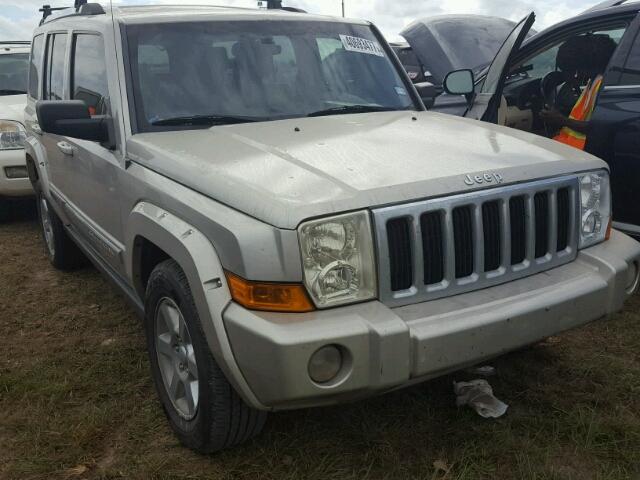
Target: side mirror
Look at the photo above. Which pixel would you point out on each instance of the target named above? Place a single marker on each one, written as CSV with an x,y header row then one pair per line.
x,y
428,93
460,82
71,118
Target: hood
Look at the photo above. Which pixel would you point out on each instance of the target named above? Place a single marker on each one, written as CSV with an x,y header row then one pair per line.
x,y
336,164
452,42
12,107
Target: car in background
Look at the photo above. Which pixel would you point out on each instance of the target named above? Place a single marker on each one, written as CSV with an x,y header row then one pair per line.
x,y
14,69
441,44
411,63
523,79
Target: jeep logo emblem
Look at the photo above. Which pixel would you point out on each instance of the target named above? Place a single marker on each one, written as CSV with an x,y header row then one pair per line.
x,y
482,179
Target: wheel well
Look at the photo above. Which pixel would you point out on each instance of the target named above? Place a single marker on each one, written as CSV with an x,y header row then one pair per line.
x,y
148,256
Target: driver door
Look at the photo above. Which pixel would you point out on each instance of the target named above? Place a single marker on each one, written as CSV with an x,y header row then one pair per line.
x,y
615,131
486,102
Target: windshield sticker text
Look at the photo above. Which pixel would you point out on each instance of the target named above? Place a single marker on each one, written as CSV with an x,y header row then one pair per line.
x,y
361,45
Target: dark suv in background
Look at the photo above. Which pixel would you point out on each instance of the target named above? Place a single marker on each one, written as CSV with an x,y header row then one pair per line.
x,y
520,83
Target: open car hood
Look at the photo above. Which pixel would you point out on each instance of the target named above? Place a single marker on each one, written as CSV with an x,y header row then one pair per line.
x,y
452,42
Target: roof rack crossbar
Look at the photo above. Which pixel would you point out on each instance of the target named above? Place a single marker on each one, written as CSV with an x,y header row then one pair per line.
x,y
47,11
82,7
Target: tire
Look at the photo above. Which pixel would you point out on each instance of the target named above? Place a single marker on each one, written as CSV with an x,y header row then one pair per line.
x,y
205,412
63,253
5,210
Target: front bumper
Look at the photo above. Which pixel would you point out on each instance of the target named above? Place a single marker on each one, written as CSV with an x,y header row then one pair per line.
x,y
391,348
13,187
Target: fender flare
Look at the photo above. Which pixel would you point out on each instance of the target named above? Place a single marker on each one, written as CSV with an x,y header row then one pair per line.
x,y
36,155
184,243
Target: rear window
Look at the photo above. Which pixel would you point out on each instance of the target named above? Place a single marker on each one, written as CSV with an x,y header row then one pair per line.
x,y
54,89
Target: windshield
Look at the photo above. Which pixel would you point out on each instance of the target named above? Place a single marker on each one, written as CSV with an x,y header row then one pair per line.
x,y
14,69
207,73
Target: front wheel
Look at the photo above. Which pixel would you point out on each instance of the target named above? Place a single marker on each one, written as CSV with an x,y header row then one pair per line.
x,y
203,409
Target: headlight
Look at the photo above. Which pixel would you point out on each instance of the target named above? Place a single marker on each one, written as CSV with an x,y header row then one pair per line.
x,y
12,135
595,207
338,258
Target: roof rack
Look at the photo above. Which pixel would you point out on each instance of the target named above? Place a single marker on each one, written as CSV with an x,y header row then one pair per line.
x,y
17,42
47,11
82,7
605,5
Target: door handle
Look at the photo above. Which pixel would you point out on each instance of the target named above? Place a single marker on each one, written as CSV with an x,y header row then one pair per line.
x,y
66,148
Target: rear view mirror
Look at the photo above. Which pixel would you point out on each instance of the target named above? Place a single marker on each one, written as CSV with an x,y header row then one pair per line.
x,y
427,92
460,82
71,118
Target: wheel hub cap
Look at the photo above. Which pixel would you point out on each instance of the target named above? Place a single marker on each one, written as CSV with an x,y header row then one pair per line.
x,y
176,359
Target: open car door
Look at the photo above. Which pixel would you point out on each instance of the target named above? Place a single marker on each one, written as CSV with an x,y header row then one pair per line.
x,y
487,100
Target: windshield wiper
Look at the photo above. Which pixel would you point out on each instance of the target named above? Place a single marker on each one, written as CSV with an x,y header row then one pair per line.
x,y
346,109
203,120
8,91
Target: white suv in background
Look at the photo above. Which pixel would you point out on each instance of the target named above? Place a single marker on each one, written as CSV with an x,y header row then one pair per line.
x,y
14,69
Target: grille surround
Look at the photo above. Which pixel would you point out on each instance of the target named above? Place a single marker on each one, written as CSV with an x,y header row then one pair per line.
x,y
419,292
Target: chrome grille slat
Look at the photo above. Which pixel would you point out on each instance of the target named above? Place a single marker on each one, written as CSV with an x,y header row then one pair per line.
x,y
472,221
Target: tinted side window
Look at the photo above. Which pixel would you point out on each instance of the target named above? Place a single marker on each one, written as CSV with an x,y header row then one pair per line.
x,y
89,77
631,73
55,67
35,66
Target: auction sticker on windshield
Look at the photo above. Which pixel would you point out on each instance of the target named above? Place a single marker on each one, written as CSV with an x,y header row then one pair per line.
x,y
361,45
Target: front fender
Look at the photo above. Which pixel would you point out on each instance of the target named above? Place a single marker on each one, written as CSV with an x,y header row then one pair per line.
x,y
200,262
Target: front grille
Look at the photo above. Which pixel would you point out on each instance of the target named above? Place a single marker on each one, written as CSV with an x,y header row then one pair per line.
x,y
492,236
518,217
443,247
400,257
433,247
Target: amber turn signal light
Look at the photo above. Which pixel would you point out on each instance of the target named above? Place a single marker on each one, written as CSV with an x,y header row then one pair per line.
x,y
269,297
609,230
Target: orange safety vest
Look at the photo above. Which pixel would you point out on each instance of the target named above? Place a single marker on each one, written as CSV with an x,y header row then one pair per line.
x,y
581,112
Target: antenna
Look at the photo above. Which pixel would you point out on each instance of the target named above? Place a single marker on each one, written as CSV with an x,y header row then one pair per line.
x,y
342,8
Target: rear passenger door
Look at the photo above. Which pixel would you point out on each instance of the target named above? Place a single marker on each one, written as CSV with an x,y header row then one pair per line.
x,y
615,131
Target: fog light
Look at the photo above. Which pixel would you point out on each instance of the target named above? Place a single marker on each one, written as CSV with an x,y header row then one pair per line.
x,y
16,172
633,278
325,364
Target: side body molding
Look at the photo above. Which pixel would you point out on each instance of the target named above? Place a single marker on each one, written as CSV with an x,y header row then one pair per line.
x,y
186,245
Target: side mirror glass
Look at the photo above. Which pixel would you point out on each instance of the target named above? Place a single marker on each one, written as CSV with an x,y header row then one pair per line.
x,y
71,118
460,82
427,92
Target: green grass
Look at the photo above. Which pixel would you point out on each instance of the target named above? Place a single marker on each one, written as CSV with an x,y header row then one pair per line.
x,y
77,402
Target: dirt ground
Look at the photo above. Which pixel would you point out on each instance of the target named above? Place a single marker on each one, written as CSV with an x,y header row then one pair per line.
x,y
76,401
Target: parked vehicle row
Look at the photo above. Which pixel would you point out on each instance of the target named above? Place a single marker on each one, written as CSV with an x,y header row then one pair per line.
x,y
14,181
296,231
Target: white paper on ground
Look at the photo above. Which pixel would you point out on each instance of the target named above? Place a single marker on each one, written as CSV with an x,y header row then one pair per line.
x,y
478,394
